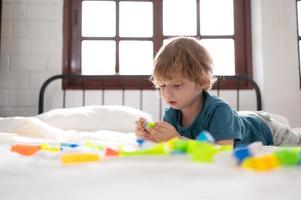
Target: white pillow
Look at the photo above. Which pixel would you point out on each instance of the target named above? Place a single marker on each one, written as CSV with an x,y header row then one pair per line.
x,y
93,118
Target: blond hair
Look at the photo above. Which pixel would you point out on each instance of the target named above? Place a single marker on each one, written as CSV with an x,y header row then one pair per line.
x,y
184,57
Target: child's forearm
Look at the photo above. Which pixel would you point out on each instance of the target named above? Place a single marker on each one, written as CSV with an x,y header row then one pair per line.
x,y
225,142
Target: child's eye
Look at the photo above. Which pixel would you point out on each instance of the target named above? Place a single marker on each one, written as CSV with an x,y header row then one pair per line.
x,y
162,86
178,85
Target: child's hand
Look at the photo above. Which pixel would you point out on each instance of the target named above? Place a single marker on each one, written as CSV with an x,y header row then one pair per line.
x,y
140,130
163,131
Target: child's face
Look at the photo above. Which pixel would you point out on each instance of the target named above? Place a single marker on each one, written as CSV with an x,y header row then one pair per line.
x,y
180,93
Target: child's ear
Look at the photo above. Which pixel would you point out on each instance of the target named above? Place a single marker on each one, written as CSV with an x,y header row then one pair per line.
x,y
200,87
204,86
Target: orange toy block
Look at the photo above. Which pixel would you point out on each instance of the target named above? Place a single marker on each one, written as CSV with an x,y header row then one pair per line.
x,y
25,149
111,152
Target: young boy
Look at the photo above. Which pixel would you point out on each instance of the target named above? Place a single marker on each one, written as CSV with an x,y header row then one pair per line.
x,y
183,73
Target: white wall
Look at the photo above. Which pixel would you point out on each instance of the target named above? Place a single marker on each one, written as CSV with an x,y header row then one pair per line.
x,y
31,51
275,56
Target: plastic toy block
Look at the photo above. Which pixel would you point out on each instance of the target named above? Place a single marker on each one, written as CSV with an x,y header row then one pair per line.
x,y
156,149
149,125
131,153
93,146
180,146
47,147
255,164
140,141
242,153
255,147
271,161
248,163
111,152
177,145
262,163
201,151
288,157
76,158
68,145
205,136
24,149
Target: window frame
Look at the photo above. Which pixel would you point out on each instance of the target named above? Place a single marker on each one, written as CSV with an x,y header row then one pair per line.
x,y
72,44
298,40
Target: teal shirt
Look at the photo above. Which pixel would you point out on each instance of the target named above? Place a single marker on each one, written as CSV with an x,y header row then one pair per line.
x,y
219,119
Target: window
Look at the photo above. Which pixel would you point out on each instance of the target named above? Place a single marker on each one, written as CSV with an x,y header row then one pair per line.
x,y
299,34
119,38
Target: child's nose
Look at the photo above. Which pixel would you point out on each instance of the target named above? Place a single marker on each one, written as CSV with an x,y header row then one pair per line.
x,y
168,92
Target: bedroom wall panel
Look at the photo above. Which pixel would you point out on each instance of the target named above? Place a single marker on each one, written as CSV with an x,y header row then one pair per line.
x,y
275,57
13,81
31,51
3,97
93,97
132,98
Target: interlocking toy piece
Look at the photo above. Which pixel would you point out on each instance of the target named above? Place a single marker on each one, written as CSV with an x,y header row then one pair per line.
x,y
53,148
77,158
91,145
158,149
287,157
201,151
111,152
180,146
177,145
205,136
249,157
68,145
262,163
25,149
140,141
242,153
149,125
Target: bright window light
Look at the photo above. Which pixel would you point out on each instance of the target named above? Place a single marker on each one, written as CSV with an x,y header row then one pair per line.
x,y
222,53
216,17
136,19
136,57
98,18
179,17
98,57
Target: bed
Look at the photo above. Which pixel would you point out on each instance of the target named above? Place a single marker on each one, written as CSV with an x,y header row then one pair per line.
x,y
243,89
160,176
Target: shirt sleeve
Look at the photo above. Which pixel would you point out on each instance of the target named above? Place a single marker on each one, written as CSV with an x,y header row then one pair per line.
x,y
224,124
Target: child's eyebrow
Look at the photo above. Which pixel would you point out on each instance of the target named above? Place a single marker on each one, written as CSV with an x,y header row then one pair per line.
x,y
178,81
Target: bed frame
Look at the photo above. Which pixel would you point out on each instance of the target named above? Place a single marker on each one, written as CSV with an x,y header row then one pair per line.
x,y
238,82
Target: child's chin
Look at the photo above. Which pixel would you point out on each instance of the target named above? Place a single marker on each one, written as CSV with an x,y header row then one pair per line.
x,y
175,107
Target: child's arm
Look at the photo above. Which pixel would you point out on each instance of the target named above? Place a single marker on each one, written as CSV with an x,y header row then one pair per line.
x,y
225,142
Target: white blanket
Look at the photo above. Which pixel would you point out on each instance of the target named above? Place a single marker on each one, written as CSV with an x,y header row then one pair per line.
x,y
42,176
56,123
146,177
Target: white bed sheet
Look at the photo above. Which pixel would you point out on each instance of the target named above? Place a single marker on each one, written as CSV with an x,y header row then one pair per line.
x,y
144,177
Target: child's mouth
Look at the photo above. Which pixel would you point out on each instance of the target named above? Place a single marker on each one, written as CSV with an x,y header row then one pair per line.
x,y
172,102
